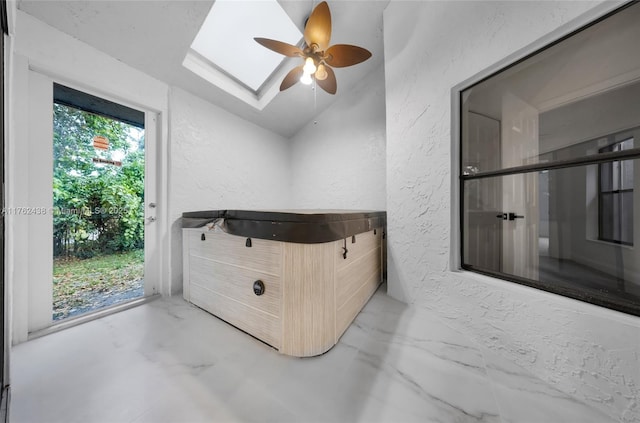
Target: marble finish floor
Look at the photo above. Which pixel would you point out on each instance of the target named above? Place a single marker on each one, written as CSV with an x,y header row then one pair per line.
x,y
168,361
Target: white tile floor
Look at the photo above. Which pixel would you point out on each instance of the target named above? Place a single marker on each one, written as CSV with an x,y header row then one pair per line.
x,y
168,361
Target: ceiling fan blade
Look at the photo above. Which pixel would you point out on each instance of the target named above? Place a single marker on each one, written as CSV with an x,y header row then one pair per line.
x,y
343,55
279,47
318,28
292,77
329,84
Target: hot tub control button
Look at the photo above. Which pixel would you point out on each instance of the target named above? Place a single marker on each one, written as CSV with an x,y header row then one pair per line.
x,y
258,287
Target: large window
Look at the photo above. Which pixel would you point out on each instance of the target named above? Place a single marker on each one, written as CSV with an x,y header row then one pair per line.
x,y
547,180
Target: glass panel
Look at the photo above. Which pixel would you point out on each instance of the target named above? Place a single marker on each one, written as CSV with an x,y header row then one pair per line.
x,y
607,217
482,149
558,104
627,175
229,29
483,237
616,217
98,222
626,218
550,234
615,214
615,176
627,144
606,177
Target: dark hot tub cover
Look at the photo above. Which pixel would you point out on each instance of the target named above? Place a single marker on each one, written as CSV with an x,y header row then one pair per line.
x,y
300,226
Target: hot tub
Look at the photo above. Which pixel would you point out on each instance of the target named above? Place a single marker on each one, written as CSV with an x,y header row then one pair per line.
x,y
293,279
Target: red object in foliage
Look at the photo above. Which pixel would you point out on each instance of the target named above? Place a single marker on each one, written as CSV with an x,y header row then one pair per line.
x,y
100,142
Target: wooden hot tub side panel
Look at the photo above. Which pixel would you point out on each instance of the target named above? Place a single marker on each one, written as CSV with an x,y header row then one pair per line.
x,y
312,292
264,256
308,299
231,282
357,277
255,322
219,273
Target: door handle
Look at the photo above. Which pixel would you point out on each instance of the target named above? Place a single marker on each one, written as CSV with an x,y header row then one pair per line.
x,y
509,216
151,219
513,216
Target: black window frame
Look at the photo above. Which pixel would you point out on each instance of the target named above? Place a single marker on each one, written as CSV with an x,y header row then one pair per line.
x,y
604,300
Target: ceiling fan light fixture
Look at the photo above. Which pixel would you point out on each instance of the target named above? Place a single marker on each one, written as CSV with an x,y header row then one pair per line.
x,y
306,79
309,66
321,73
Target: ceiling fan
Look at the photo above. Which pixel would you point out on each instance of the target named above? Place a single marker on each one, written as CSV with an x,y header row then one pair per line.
x,y
317,54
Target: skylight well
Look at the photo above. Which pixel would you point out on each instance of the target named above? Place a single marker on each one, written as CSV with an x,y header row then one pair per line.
x,y
225,46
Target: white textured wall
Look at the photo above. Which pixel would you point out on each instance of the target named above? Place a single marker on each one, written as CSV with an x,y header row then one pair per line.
x,y
430,47
220,161
340,162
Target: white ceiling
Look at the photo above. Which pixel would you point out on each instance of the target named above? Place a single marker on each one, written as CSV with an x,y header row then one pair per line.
x,y
154,37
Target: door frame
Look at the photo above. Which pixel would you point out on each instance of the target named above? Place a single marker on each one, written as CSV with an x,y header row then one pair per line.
x,y
4,340
520,192
40,279
155,152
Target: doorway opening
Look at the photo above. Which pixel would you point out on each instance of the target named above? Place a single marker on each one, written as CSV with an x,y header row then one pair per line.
x,y
98,203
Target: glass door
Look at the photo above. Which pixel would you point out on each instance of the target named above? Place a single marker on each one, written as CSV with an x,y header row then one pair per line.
x,y
98,203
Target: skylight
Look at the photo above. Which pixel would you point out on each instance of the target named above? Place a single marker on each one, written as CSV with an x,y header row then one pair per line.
x,y
226,38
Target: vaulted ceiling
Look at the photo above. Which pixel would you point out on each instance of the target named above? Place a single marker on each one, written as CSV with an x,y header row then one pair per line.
x,y
154,36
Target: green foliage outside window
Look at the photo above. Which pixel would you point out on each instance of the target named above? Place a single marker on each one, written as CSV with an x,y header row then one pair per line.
x,y
98,208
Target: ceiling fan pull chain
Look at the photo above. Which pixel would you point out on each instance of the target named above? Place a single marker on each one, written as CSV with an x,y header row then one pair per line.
x,y
315,101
